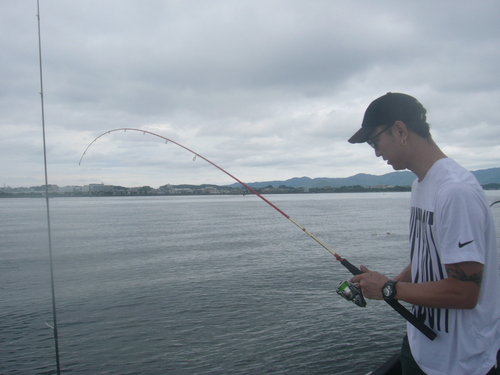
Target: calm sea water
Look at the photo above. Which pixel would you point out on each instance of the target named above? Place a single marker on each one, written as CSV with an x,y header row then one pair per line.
x,y
198,285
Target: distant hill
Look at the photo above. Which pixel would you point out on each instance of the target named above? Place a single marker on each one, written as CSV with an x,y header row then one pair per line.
x,y
484,176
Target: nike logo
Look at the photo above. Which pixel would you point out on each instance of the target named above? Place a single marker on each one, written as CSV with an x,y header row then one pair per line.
x,y
460,245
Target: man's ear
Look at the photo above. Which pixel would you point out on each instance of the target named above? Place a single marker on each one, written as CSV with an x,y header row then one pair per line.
x,y
401,130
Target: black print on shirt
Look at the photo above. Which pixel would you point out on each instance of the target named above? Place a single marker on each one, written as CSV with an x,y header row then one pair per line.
x,y
424,254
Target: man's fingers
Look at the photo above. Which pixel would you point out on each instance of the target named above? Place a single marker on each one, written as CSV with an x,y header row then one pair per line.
x,y
364,269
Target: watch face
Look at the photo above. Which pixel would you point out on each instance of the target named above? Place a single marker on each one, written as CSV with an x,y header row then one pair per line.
x,y
387,290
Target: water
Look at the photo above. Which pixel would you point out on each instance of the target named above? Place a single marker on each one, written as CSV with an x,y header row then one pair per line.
x,y
198,285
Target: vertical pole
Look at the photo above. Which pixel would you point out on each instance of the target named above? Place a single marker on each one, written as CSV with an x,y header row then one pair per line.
x,y
54,316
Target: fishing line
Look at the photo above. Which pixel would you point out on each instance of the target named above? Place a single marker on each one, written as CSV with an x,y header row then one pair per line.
x,y
353,269
54,316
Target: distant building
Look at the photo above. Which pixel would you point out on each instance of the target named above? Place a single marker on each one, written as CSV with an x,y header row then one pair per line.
x,y
42,189
70,189
210,190
98,188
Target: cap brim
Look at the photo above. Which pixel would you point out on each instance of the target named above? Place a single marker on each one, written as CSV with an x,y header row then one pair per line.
x,y
361,136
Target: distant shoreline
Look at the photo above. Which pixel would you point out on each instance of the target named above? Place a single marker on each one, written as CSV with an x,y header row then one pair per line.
x,y
344,189
204,190
263,191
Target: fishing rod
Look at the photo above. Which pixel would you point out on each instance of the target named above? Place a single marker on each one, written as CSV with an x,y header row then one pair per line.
x,y
491,205
346,289
54,316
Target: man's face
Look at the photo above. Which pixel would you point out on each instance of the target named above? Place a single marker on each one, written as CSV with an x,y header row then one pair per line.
x,y
387,146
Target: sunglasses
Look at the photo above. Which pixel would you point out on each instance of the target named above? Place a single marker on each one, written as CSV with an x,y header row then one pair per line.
x,y
372,142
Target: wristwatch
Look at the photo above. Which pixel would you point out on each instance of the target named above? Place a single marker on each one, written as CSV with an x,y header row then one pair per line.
x,y
389,290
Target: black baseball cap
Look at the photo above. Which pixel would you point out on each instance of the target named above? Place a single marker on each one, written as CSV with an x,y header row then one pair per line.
x,y
388,109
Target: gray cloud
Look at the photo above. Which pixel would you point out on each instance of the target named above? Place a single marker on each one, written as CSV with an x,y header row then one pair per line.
x,y
265,89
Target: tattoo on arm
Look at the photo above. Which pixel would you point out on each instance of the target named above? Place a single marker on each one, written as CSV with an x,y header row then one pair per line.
x,y
455,271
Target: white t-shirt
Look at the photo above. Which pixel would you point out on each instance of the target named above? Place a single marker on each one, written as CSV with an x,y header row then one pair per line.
x,y
451,222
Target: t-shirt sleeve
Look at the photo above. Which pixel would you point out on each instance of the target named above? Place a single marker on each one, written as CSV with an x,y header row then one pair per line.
x,y
460,217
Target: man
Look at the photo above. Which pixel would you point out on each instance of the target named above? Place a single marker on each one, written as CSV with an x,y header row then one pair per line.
x,y
452,279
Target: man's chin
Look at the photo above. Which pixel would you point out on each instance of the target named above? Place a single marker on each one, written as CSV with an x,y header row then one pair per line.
x,y
396,167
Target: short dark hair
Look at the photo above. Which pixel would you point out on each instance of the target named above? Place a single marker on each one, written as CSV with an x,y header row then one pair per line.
x,y
421,127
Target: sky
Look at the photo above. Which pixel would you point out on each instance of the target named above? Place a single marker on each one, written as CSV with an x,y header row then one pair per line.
x,y
267,90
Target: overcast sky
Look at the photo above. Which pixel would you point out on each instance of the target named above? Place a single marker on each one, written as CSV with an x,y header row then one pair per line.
x,y
265,89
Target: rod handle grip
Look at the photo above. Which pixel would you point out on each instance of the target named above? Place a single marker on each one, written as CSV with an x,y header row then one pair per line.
x,y
351,267
418,324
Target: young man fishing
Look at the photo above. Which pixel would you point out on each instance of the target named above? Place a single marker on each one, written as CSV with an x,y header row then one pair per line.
x,y
452,279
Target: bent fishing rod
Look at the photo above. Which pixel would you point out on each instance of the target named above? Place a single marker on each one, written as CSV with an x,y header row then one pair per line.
x,y
346,288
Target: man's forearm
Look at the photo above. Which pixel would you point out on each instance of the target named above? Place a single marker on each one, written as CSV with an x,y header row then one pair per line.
x,y
459,291
447,293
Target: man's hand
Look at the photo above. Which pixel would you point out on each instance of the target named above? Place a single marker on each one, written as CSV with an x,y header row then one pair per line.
x,y
371,283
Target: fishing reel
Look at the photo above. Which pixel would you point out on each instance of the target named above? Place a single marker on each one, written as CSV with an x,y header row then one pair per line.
x,y
351,293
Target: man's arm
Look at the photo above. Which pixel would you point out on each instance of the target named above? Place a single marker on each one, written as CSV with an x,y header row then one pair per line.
x,y
459,291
